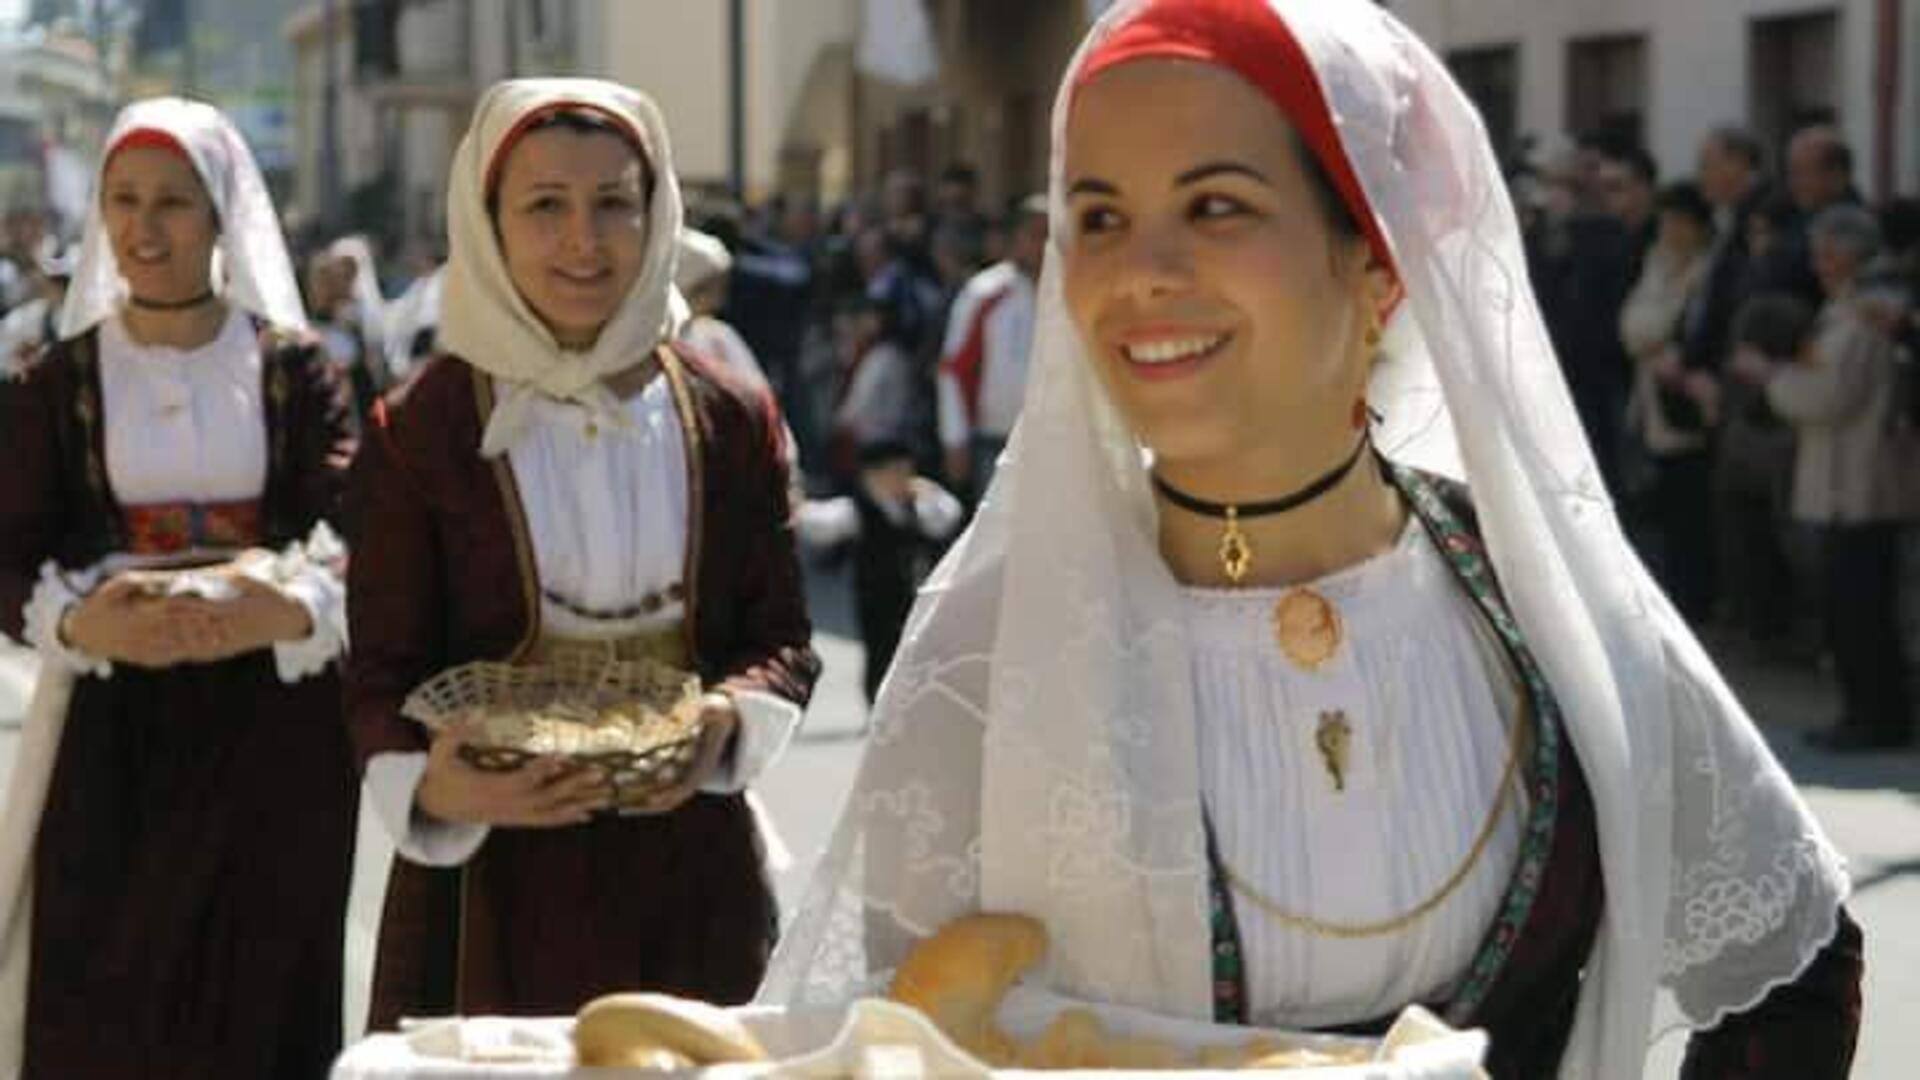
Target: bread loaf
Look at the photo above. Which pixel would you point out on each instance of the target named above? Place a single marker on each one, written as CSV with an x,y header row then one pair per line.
x,y
958,976
659,1031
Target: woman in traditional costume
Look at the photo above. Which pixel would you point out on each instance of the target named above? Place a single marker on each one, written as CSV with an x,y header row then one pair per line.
x,y
1348,693
566,478
178,833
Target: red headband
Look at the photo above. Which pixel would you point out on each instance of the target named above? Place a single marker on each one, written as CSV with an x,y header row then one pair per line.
x,y
533,117
150,139
1248,38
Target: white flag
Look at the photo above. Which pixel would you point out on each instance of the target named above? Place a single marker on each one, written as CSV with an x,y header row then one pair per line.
x,y
896,42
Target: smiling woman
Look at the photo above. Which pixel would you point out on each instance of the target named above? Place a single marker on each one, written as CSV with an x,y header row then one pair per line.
x,y
569,205
1295,669
177,839
569,480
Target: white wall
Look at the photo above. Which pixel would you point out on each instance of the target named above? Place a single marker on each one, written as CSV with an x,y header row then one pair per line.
x,y
1696,64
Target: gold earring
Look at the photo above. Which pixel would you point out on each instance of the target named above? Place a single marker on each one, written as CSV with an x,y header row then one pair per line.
x,y
1373,332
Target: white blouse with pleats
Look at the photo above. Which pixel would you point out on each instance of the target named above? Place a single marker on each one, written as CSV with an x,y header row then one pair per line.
x,y
1429,701
189,426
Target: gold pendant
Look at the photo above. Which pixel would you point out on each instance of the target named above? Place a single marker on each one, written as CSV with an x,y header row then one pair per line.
x,y
1308,628
1236,555
1333,737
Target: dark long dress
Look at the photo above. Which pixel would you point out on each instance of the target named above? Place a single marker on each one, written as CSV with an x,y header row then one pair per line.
x,y
192,864
539,921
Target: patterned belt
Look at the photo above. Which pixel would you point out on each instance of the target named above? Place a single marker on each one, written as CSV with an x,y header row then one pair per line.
x,y
667,645
166,528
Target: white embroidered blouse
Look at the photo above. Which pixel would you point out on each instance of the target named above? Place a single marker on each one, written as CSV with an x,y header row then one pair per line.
x,y
1424,690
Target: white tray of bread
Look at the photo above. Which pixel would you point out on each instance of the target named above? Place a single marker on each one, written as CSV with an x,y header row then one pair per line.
x,y
952,1010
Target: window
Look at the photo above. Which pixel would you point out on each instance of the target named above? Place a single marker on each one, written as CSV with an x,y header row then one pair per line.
x,y
1607,89
1490,76
1790,74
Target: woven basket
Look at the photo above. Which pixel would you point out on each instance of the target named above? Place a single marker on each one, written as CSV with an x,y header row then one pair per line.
x,y
636,720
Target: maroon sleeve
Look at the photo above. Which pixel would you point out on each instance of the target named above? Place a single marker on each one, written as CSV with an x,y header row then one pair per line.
x,y
30,505
1804,1030
772,650
322,438
396,606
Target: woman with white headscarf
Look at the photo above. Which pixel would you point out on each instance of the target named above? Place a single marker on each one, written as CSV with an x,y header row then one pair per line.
x,y
1348,694
350,315
564,480
178,832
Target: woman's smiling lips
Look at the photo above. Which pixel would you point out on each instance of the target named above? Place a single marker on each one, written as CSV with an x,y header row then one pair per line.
x,y
582,279
1168,352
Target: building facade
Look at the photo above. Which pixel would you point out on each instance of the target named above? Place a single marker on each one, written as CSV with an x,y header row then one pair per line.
x,y
1664,72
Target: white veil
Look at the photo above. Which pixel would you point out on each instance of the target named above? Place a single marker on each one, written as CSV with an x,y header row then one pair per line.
x,y
1034,743
251,266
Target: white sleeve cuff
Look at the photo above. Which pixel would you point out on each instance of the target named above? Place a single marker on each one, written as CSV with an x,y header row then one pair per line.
x,y
309,574
938,512
767,724
52,596
824,523
392,780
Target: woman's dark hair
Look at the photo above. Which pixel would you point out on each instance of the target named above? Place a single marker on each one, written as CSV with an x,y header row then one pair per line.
x,y
1333,208
1777,324
1684,198
579,120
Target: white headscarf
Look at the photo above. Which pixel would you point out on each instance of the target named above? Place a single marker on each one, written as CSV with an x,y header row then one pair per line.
x,y
252,270
484,319
1034,746
369,304
702,258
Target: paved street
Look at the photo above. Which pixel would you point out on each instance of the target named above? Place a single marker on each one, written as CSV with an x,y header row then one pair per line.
x,y
1870,804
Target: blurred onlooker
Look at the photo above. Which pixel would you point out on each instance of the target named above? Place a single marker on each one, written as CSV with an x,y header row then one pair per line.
x,y
875,402
702,276
895,523
1733,178
770,301
30,327
906,215
1582,267
1854,478
958,222
1753,486
983,364
23,243
1629,190
1679,460
413,318
350,332
1818,174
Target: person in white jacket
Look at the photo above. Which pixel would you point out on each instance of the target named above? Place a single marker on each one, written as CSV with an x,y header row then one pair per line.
x,y
1854,479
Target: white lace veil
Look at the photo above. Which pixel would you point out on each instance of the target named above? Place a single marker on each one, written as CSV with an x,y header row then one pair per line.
x,y
251,266
1034,743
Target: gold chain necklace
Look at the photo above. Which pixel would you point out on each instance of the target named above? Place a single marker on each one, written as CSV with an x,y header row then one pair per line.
x,y
1329,928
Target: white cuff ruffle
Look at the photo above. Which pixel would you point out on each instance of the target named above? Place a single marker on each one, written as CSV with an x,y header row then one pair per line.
x,y
392,781
309,573
767,724
55,592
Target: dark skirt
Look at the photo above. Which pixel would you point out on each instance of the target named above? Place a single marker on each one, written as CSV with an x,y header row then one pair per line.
x,y
191,878
543,920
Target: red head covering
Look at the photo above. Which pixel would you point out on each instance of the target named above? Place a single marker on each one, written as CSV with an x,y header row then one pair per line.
x,y
1248,38
150,139
620,126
